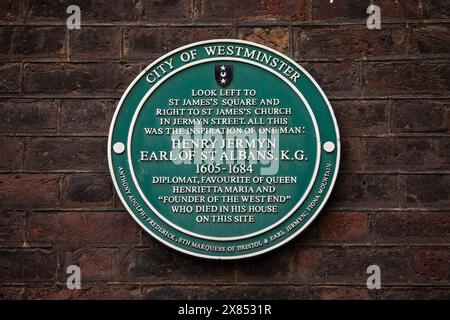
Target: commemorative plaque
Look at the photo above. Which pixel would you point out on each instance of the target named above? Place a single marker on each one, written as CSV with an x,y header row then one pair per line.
x,y
224,149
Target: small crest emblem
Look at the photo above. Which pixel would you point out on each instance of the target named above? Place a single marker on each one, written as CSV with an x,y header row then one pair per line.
x,y
224,74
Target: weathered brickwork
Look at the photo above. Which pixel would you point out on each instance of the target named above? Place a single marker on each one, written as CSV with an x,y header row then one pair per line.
x,y
389,88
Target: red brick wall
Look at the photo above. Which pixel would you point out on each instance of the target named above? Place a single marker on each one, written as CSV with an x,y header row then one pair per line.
x,y
389,89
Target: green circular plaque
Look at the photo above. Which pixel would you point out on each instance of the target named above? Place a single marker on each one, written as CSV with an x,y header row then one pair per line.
x,y
224,149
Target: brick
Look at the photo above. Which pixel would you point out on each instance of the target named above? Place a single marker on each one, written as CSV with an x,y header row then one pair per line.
x,y
430,40
160,263
27,265
411,227
291,10
98,10
87,190
172,38
10,80
336,79
347,42
349,265
407,154
250,292
361,117
397,78
87,116
344,293
413,293
437,9
95,43
32,42
432,265
28,115
77,153
98,78
167,293
420,116
352,151
18,191
75,228
88,291
356,9
343,226
95,264
146,43
262,268
10,10
429,191
365,191
12,292
11,228
152,10
274,37
11,156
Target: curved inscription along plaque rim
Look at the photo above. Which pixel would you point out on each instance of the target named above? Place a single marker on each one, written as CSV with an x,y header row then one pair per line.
x,y
292,225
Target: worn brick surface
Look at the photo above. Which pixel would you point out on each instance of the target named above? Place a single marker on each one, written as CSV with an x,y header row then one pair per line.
x,y
389,90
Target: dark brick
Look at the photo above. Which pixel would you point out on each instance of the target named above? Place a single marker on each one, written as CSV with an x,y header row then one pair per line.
x,y
87,190
145,43
352,151
355,9
91,10
87,116
262,268
365,191
397,78
292,10
69,154
94,43
354,41
19,191
167,293
336,79
20,115
361,117
245,292
273,37
343,226
349,265
172,38
10,79
344,293
432,265
11,264
78,78
11,228
161,263
431,40
10,10
152,10
420,115
413,293
88,291
27,265
95,264
11,156
411,227
427,190
436,9
12,292
32,42
81,228
407,154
